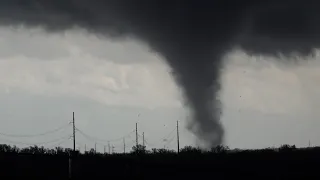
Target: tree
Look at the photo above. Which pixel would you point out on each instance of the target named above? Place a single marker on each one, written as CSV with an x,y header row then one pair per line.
x,y
286,148
190,149
139,149
220,149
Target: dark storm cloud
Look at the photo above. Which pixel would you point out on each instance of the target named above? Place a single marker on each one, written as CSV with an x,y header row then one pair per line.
x,y
191,35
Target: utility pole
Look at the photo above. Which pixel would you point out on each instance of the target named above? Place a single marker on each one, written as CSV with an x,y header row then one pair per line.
x,y
71,156
137,135
70,168
178,143
109,147
74,134
95,148
112,149
124,145
143,139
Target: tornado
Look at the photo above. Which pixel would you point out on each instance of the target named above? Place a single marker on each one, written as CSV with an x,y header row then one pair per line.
x,y
192,36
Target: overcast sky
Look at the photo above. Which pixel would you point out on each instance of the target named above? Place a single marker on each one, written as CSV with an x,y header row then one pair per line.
x,y
112,85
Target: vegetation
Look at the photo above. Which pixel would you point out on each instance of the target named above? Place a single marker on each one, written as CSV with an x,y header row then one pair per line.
x,y
219,162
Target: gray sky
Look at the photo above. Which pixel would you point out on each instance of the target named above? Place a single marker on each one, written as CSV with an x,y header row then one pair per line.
x,y
112,85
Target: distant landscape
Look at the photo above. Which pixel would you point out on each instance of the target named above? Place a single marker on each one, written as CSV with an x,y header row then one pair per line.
x,y
285,162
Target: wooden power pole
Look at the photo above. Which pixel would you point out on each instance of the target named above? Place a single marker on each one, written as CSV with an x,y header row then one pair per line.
x,y
137,142
143,139
178,142
109,147
124,145
74,134
71,155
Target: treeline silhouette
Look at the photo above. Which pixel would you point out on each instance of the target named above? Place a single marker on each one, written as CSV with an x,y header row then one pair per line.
x,y
285,162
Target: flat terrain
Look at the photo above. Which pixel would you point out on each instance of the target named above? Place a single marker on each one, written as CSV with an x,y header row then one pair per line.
x,y
286,162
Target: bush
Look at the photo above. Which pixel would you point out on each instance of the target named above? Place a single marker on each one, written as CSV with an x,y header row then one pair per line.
x,y
139,149
286,148
190,149
219,149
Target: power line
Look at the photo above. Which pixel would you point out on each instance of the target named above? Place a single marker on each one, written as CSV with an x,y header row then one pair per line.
x,y
103,140
146,142
58,144
167,140
170,140
80,145
108,146
168,135
35,135
161,139
102,144
37,143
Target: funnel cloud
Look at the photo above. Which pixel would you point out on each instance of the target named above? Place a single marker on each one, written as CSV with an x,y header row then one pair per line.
x,y
191,35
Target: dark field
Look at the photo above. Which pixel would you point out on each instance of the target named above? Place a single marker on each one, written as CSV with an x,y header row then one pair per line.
x,y
286,162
